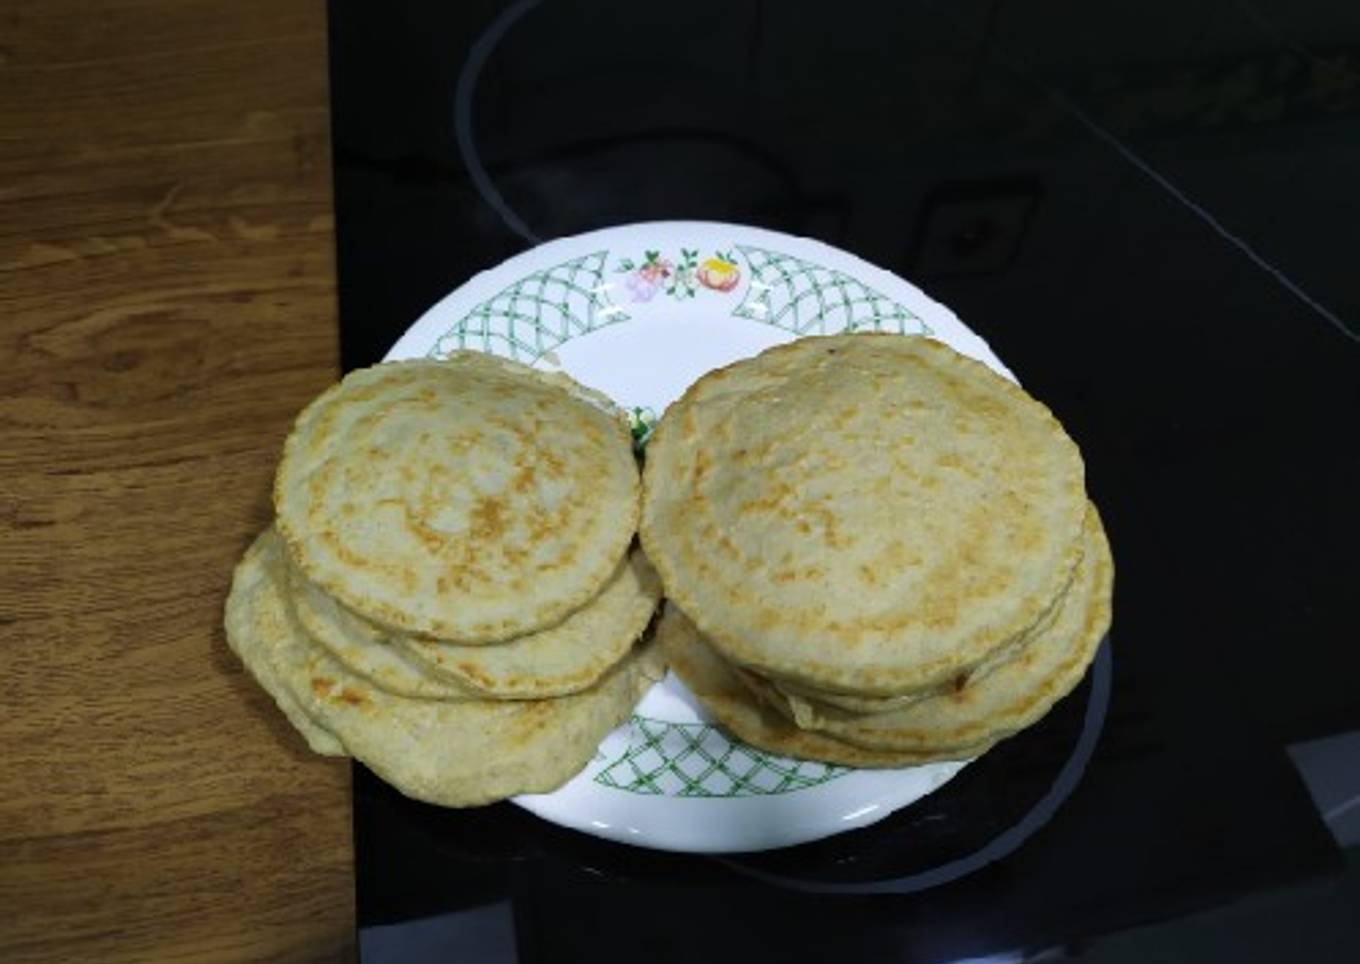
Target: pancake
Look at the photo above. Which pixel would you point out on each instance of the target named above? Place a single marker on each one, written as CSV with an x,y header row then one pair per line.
x,y
800,698
714,683
941,503
561,659
365,647
805,704
470,499
256,649
1014,695
448,753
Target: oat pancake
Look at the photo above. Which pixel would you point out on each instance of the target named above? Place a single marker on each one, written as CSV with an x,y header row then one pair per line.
x,y
714,683
805,704
561,659
448,753
469,499
1012,696
866,513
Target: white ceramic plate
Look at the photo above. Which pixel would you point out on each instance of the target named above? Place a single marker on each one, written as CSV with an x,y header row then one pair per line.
x,y
640,312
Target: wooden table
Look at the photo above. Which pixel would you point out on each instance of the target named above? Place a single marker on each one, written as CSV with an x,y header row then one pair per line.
x,y
166,305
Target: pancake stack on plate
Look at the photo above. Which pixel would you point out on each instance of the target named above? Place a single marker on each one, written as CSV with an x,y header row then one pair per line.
x,y
448,592
876,551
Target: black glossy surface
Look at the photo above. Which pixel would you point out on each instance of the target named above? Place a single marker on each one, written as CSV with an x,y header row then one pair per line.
x,y
1149,211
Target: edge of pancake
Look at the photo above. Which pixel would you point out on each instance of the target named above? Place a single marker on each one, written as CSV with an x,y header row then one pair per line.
x,y
244,640
753,722
633,592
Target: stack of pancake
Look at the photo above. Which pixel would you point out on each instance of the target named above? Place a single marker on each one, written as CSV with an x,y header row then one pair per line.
x,y
448,592
876,551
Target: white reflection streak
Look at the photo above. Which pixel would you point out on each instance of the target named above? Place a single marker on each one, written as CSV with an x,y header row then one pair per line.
x,y
862,811
1200,212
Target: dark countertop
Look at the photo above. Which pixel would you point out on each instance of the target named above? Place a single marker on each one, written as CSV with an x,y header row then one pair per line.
x,y
1149,212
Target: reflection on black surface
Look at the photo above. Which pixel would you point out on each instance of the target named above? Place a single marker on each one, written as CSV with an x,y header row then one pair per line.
x,y
1149,212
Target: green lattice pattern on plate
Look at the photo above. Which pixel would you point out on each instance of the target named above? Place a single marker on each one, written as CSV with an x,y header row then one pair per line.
x,y
698,760
538,312
808,299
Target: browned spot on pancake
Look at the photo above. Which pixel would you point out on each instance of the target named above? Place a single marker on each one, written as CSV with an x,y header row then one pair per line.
x,y
533,716
433,540
524,478
321,686
342,551
552,464
701,466
488,519
518,429
459,576
774,499
352,697
728,547
867,575
831,535
845,416
471,671
986,406
542,524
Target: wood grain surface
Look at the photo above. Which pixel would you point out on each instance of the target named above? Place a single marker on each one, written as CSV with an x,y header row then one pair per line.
x,y
166,306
